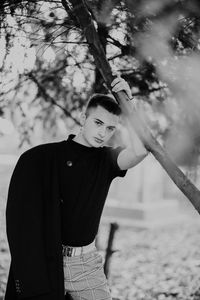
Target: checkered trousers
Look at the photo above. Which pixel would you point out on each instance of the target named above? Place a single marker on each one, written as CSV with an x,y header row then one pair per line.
x,y
84,277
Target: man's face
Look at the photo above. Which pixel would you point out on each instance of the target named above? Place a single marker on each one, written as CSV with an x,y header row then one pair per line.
x,y
98,126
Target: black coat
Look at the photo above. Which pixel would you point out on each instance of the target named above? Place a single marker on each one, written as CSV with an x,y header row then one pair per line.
x,y
33,224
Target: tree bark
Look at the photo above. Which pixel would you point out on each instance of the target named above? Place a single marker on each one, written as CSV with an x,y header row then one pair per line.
x,y
98,84
84,17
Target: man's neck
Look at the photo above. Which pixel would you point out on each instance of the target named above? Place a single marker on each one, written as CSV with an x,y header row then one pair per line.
x,y
81,140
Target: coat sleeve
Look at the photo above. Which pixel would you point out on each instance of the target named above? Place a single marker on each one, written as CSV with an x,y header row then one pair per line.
x,y
24,227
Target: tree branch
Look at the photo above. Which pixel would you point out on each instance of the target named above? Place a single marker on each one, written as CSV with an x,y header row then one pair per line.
x,y
49,98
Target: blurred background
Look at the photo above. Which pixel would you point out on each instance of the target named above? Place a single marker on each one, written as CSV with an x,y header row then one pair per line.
x,y
47,75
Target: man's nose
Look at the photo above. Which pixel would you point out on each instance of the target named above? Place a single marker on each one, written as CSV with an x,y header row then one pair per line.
x,y
102,132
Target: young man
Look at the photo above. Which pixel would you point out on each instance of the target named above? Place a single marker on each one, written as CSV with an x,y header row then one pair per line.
x,y
55,200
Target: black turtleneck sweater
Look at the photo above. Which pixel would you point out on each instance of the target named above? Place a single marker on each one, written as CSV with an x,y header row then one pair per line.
x,y
85,177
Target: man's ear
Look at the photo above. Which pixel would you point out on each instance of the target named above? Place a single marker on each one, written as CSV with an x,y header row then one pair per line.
x,y
82,118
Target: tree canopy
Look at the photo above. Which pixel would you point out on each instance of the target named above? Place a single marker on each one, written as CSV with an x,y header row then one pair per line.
x,y
47,72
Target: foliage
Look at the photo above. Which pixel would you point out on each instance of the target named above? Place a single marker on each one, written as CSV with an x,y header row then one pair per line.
x,y
145,41
159,263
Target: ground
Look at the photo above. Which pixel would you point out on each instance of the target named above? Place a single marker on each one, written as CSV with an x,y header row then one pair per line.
x,y
157,263
162,263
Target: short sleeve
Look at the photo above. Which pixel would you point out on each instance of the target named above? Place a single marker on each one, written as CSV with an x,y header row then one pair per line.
x,y
112,156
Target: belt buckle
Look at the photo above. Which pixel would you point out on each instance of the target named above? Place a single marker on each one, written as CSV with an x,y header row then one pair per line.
x,y
68,251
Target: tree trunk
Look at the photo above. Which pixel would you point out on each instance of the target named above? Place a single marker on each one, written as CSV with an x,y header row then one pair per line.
x,y
84,17
98,84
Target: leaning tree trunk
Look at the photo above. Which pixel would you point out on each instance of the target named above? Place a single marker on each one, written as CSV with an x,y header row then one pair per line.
x,y
98,87
80,9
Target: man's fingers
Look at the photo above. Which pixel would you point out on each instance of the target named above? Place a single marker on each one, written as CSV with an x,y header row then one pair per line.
x,y
122,86
119,84
116,80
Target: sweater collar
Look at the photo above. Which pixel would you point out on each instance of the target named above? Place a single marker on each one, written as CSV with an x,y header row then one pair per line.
x,y
77,145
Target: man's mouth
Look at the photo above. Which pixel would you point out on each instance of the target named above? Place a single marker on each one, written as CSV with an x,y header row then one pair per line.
x,y
99,141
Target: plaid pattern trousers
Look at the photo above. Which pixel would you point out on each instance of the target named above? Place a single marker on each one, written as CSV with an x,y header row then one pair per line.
x,y
84,277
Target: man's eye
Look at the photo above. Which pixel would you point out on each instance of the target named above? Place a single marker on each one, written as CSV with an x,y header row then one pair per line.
x,y
98,123
110,129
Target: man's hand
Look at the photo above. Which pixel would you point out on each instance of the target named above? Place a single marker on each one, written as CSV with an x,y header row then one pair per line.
x,y
119,84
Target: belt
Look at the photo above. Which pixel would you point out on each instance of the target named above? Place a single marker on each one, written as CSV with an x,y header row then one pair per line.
x,y
75,251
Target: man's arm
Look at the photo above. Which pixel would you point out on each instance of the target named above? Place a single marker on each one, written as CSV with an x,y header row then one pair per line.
x,y
134,153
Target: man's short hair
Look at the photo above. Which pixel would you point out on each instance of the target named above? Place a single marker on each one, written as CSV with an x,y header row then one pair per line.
x,y
105,101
